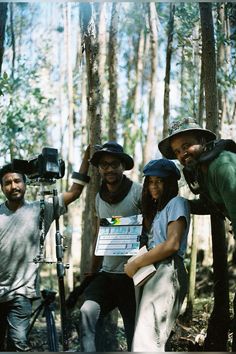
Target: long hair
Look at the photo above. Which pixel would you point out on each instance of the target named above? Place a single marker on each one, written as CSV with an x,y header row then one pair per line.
x,y
150,206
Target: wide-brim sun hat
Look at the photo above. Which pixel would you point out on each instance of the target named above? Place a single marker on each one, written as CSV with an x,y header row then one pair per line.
x,y
181,126
114,149
162,168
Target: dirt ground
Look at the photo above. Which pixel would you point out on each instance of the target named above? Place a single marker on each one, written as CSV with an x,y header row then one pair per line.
x,y
187,336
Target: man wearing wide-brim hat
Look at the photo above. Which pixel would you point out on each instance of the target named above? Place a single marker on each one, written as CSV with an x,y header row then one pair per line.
x,y
111,288
209,165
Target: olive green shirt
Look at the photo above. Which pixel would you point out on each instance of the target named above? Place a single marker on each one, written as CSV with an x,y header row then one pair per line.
x,y
220,184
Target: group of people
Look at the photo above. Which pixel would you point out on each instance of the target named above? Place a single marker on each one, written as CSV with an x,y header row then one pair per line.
x,y
150,311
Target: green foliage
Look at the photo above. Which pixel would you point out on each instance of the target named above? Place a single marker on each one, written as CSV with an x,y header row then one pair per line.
x,y
23,114
187,15
4,84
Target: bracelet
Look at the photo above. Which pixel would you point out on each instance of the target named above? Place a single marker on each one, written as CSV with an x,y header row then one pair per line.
x,y
80,177
78,181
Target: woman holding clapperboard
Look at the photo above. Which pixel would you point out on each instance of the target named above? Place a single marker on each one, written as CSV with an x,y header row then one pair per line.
x,y
166,217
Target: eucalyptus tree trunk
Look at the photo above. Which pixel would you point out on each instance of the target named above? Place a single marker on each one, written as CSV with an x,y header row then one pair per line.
x,y
79,54
3,19
94,115
218,325
221,60
168,69
68,219
217,332
70,90
13,41
182,65
201,96
135,130
231,35
233,21
209,64
192,273
90,41
196,77
148,149
102,39
112,65
131,62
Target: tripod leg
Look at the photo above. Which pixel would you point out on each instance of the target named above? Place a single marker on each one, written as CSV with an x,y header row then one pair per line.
x,y
53,344
63,314
35,315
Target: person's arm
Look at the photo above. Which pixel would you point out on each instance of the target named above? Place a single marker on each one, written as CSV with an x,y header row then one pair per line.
x,y
80,179
175,231
199,206
224,184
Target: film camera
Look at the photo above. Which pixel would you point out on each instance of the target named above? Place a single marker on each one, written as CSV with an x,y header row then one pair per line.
x,y
46,166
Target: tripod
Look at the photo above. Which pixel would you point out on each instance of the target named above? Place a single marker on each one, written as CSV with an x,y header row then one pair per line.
x,y
59,255
47,306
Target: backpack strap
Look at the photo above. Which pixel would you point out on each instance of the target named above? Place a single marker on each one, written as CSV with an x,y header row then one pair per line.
x,y
215,147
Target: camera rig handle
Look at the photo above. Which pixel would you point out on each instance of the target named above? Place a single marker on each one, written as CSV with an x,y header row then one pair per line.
x,y
40,257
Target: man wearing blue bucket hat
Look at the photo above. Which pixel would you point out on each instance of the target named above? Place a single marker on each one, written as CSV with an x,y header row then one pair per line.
x,y
166,218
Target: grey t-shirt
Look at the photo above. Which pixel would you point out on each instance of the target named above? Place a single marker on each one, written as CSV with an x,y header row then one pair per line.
x,y
19,245
130,205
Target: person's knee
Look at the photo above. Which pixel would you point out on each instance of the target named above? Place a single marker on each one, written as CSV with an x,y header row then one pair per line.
x,y
18,324
90,311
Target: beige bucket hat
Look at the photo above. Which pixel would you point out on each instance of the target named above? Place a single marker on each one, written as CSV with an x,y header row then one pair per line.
x,y
181,126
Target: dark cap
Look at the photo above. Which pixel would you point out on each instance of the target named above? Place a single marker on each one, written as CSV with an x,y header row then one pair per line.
x,y
114,149
162,168
178,127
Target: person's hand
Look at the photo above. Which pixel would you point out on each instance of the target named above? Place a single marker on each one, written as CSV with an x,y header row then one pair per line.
x,y
130,268
87,151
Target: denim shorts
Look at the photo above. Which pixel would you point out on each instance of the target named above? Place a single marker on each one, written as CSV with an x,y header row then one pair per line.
x,y
14,321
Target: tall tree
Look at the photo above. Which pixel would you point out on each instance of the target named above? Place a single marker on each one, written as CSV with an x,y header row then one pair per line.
x,y
221,67
3,19
209,64
135,130
148,149
13,42
102,40
201,97
192,273
112,64
90,43
217,333
168,70
70,160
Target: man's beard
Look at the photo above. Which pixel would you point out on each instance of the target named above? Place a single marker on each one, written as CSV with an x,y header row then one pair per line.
x,y
116,180
16,198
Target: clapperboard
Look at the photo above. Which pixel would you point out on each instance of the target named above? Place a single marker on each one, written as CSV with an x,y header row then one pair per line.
x,y
119,236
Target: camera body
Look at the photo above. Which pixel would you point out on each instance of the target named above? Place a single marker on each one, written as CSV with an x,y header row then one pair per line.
x,y
46,166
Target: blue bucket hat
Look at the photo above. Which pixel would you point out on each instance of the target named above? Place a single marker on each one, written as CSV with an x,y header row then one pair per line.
x,y
162,168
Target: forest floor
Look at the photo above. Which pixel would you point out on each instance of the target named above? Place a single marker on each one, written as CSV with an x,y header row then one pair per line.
x,y
188,336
